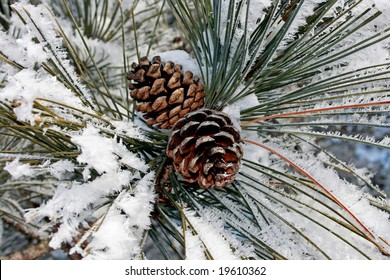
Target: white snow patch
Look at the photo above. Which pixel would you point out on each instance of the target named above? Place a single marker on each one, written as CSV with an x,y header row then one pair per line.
x,y
96,151
233,111
194,247
18,169
120,235
59,168
221,244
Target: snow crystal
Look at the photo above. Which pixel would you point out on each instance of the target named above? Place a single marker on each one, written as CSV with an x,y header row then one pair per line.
x,y
105,154
112,240
306,10
40,28
129,129
247,101
233,110
120,236
349,195
137,205
385,141
256,12
29,55
78,197
210,235
209,228
59,168
96,151
194,247
18,169
28,85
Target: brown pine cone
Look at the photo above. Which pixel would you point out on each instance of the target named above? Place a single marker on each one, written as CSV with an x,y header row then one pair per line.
x,y
205,148
163,93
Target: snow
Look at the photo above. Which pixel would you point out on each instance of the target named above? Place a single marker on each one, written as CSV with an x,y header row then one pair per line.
x,y
233,110
59,168
128,129
107,166
194,247
98,152
112,239
212,237
18,169
349,195
120,236
28,85
30,54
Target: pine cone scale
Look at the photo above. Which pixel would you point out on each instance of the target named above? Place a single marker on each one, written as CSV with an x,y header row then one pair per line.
x,y
177,96
185,111
207,128
189,129
204,142
186,145
154,71
223,138
158,87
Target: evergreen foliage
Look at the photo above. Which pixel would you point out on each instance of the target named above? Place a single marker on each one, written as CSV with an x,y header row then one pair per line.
x,y
81,167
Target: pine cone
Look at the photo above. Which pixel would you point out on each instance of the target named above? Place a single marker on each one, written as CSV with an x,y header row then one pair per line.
x,y
204,146
163,93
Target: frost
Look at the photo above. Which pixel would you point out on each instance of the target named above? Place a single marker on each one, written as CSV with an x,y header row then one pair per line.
x,y
209,229
128,129
18,170
101,154
349,195
247,101
31,50
120,235
306,10
59,168
28,85
385,141
73,202
138,204
210,236
27,55
113,240
194,248
105,154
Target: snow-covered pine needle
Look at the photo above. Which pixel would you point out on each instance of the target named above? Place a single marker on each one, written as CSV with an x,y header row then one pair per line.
x,y
332,196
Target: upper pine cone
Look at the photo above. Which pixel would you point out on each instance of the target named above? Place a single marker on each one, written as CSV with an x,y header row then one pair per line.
x,y
163,93
205,148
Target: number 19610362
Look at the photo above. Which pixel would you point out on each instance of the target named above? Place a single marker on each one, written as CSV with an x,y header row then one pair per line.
x,y
242,270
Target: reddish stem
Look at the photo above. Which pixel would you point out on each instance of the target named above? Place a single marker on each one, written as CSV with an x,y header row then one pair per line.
x,y
314,181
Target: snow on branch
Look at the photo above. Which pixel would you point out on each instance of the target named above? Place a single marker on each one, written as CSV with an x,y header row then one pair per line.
x,y
121,234
208,233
